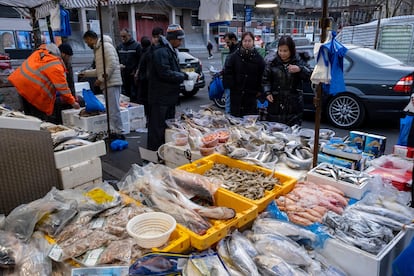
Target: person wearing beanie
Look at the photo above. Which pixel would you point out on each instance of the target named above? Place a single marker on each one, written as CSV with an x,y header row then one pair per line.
x,y
164,81
44,72
66,53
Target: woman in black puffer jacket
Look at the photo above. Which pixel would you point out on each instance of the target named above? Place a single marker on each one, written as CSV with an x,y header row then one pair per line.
x,y
282,84
243,73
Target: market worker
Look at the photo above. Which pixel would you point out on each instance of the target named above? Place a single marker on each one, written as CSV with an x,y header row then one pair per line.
x,y
39,78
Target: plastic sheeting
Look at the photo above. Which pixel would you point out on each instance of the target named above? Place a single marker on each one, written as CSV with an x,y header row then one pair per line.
x,y
215,10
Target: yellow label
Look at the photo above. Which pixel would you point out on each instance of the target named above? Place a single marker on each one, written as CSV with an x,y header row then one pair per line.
x,y
99,196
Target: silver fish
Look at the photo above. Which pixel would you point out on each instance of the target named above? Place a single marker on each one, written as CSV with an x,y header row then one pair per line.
x,y
241,258
269,225
277,245
273,266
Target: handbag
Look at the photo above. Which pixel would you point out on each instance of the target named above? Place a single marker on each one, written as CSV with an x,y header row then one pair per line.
x,y
92,104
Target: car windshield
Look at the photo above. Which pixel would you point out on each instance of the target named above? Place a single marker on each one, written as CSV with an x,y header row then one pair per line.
x,y
376,57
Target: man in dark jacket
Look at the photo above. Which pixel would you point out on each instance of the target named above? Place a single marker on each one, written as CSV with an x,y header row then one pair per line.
x,y
129,52
144,68
164,85
230,39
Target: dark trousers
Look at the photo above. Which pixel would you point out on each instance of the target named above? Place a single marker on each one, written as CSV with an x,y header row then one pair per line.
x,y
157,125
31,110
128,86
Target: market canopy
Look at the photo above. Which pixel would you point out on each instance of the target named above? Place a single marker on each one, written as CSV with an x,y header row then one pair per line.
x,y
42,7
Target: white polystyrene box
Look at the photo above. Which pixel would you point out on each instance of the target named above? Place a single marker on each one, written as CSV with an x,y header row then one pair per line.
x,y
97,123
138,124
80,154
79,86
136,111
67,116
80,173
350,190
175,156
357,262
88,185
29,122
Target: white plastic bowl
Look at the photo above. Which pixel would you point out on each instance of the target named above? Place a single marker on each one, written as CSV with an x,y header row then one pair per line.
x,y
151,229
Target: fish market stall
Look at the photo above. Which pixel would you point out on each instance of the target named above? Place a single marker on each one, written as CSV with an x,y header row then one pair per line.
x,y
251,206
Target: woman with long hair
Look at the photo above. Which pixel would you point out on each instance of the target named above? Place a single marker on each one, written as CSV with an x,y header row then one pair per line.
x,y
242,74
282,83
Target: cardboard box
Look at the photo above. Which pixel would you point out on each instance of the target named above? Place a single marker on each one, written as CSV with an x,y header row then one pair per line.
x,y
403,151
80,173
343,150
79,154
326,158
375,144
357,138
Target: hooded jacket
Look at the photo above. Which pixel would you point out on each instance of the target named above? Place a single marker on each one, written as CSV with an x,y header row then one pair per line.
x,y
39,78
111,64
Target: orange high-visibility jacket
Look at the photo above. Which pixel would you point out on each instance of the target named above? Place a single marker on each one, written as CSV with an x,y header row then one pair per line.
x,y
39,78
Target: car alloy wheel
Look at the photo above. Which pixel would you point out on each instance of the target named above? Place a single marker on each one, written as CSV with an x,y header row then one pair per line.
x,y
344,111
220,103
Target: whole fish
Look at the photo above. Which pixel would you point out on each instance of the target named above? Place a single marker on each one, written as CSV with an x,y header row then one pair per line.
x,y
245,242
295,162
194,185
212,212
283,247
273,266
269,226
397,207
383,212
241,258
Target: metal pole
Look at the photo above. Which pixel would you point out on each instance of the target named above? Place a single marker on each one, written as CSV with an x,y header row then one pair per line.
x,y
317,100
244,17
105,76
378,27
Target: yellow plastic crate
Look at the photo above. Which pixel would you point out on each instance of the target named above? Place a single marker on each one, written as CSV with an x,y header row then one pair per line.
x,y
245,213
204,164
179,241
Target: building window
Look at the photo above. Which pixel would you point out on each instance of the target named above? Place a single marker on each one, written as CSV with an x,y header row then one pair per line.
x,y
194,18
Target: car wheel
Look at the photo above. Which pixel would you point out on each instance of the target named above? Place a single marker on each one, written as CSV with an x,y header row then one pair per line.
x,y
345,111
190,93
220,103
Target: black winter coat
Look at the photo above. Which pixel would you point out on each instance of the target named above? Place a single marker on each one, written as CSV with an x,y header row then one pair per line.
x,y
286,88
165,75
243,71
129,55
